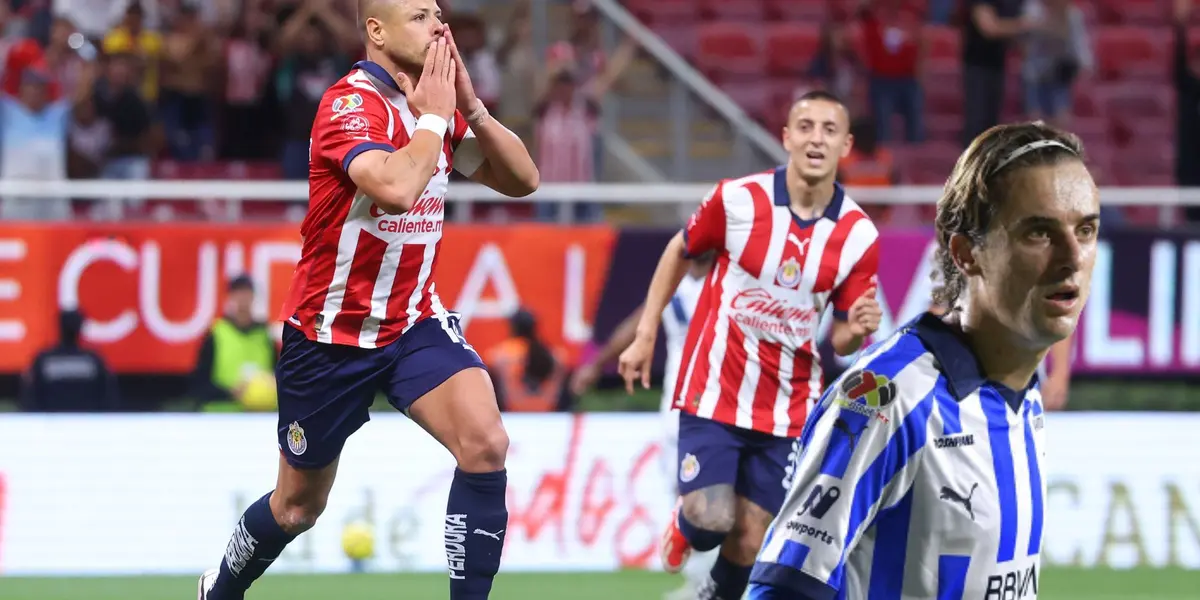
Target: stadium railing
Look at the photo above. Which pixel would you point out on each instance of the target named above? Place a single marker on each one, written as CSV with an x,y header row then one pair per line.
x,y
681,195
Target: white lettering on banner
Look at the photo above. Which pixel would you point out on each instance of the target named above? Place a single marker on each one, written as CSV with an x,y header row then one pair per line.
x,y
489,267
1161,308
586,492
148,265
576,329
11,250
1189,344
1099,346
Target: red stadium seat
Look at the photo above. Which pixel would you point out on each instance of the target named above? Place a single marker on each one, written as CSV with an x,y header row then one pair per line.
x,y
791,47
943,43
664,12
1137,100
1133,11
1092,131
810,11
1133,53
753,95
728,48
751,11
930,163
682,38
944,128
942,99
1084,99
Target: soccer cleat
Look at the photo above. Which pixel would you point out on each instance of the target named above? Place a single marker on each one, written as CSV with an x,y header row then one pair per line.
x,y
206,582
675,548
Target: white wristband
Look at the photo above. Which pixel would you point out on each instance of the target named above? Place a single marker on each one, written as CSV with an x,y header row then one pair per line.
x,y
433,123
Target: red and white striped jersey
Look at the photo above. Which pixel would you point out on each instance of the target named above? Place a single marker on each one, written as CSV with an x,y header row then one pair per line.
x,y
751,359
364,276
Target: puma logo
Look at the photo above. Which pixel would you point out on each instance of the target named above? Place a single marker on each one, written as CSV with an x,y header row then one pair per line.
x,y
950,495
494,536
800,245
843,427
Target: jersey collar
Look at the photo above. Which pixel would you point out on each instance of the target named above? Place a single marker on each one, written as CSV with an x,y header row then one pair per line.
x,y
964,375
374,70
783,198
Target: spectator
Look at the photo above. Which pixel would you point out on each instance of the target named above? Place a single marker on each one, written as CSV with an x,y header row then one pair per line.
x,y
190,58
88,141
471,37
33,144
143,47
565,132
247,71
237,350
528,376
67,63
1055,55
894,53
1187,98
988,28
868,164
67,377
119,101
516,54
835,65
312,43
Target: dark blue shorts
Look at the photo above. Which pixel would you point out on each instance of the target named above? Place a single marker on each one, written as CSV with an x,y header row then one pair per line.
x,y
325,390
756,464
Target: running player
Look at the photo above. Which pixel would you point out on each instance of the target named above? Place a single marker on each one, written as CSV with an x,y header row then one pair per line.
x,y
789,242
363,316
921,474
675,319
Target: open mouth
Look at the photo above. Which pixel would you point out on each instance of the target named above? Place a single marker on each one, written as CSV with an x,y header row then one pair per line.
x,y
1067,295
814,157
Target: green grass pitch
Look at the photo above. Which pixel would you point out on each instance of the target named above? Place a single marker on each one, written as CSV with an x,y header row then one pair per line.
x,y
1056,584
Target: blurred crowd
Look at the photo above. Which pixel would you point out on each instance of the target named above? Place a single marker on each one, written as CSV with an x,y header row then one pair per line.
x,y
133,89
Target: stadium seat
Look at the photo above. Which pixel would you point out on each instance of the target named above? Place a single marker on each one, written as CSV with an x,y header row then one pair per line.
x,y
812,11
1092,131
930,163
681,38
1084,100
1140,99
944,128
1133,53
1149,12
748,11
752,94
664,12
943,43
727,48
791,47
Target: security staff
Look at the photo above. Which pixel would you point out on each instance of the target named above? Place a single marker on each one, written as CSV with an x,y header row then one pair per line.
x,y
68,378
236,356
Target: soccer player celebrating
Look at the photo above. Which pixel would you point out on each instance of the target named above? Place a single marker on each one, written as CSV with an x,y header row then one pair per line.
x,y
788,242
921,470
363,316
675,320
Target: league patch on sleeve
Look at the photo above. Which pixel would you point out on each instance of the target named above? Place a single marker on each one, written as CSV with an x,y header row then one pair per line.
x,y
345,105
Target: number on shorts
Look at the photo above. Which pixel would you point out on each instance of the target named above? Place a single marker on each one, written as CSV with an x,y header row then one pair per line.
x,y
452,325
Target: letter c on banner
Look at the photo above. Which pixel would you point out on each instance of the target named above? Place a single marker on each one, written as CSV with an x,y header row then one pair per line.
x,y
72,272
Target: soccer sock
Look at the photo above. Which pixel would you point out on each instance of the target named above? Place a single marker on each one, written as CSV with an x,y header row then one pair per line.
x,y
257,541
476,518
698,566
730,579
700,539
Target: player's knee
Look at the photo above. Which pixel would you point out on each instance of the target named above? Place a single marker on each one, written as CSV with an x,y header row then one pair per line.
x,y
742,545
710,509
484,451
297,513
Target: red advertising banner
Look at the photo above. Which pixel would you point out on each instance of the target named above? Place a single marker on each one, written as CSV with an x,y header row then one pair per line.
x,y
150,293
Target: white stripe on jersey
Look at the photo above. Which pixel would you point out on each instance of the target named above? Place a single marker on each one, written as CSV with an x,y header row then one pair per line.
x,y
347,244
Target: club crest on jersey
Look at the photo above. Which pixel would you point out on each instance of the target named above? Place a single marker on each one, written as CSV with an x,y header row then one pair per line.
x,y
689,468
297,443
789,273
344,105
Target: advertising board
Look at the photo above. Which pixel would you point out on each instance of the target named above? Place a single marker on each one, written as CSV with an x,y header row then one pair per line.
x,y
161,493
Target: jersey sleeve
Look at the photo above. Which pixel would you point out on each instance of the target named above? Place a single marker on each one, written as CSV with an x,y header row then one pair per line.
x,y
705,230
858,458
863,267
468,157
351,121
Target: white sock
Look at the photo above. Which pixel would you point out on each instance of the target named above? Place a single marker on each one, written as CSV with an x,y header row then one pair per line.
x,y
698,565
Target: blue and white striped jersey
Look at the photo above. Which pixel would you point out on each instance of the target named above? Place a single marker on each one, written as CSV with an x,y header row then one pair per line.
x,y
918,479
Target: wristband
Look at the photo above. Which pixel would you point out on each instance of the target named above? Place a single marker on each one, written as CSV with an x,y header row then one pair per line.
x,y
433,123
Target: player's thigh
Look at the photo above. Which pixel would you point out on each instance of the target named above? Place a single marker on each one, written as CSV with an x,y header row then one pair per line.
x,y
325,391
765,472
709,453
441,383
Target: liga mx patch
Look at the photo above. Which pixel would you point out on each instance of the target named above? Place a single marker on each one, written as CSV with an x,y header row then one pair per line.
x,y
296,440
344,105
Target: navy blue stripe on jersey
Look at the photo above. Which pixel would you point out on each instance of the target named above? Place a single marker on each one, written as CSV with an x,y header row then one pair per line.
x,y
905,443
996,410
887,563
1035,485
948,409
952,576
678,311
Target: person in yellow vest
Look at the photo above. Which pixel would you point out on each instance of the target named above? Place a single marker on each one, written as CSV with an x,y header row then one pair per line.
x,y
236,362
528,375
132,38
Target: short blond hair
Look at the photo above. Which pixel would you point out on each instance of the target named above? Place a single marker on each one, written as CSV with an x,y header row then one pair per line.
x,y
975,190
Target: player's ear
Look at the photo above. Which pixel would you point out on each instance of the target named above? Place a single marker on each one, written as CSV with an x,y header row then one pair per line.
x,y
849,145
962,250
787,142
373,30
